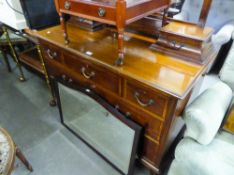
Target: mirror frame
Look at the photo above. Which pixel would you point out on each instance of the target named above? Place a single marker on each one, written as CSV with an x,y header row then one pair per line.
x,y
113,110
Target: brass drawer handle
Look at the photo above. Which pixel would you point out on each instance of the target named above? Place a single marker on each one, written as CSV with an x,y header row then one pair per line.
x,y
52,55
101,12
137,97
67,5
174,45
87,75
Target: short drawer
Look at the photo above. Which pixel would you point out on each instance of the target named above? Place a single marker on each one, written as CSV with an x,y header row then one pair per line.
x,y
95,75
52,52
99,12
152,125
146,99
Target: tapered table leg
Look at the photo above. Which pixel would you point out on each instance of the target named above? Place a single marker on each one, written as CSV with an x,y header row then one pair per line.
x,y
120,24
120,58
64,28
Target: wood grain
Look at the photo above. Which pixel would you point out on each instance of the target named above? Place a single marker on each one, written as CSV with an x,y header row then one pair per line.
x,y
166,80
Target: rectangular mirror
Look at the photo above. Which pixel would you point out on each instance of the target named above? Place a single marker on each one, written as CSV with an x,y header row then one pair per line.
x,y
108,132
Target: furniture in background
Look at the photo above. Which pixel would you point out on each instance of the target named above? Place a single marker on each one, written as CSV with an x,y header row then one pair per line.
x,y
8,151
202,144
33,58
186,40
204,150
30,56
220,18
118,13
7,42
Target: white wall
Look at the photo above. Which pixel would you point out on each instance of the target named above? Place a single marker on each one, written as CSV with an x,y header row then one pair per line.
x,y
11,18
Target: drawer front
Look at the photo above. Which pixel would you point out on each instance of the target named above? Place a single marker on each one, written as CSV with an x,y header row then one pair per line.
x,y
95,75
152,125
92,10
146,99
52,53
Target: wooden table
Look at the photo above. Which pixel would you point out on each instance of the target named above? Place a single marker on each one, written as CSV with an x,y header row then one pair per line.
x,y
113,12
151,88
229,124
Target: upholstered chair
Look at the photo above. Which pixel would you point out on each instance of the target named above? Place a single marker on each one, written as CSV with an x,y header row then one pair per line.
x,y
227,72
8,152
206,149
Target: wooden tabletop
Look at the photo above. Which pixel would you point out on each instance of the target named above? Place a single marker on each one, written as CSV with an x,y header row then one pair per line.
x,y
160,71
229,124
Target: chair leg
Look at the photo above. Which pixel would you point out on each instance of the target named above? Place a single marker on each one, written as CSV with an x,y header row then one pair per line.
x,y
21,156
6,60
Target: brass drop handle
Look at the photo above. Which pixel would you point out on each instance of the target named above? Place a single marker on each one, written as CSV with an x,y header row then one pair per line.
x,y
67,5
137,97
175,45
87,75
52,55
101,12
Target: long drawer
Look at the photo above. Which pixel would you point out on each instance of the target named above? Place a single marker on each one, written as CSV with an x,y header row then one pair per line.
x,y
97,12
85,71
88,72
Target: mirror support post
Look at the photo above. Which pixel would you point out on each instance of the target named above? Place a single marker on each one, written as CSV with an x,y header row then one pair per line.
x,y
204,13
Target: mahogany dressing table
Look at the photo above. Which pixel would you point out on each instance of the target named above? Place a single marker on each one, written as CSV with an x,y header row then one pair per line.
x,y
151,88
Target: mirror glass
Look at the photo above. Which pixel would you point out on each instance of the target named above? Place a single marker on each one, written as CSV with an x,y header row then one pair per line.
x,y
190,10
91,121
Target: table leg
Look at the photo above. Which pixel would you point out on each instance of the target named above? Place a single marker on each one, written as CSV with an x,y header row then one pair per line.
x,y
121,7
53,101
15,57
5,59
120,58
64,28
